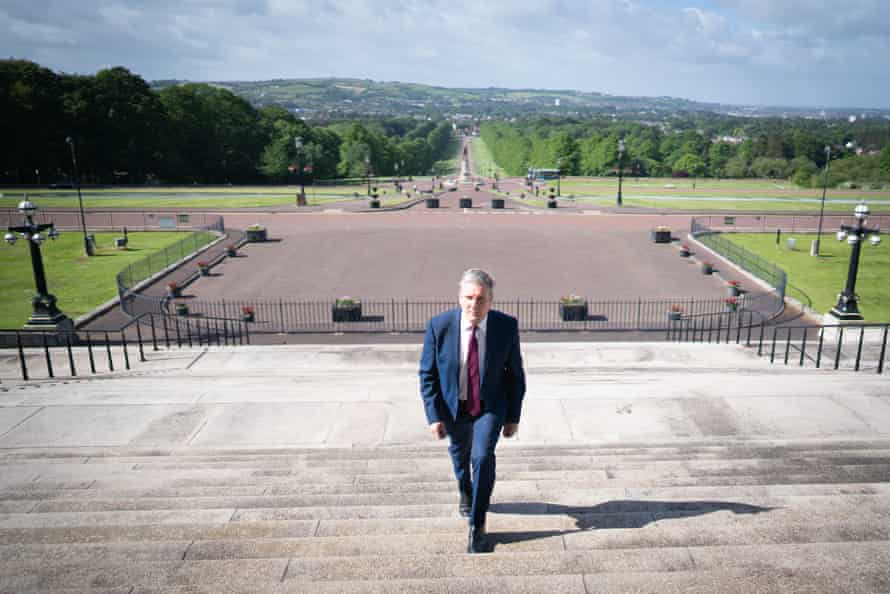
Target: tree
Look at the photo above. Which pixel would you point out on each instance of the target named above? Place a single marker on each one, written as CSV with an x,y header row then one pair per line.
x,y
885,162
691,165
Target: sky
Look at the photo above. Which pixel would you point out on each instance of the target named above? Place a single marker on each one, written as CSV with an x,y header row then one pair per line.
x,y
811,53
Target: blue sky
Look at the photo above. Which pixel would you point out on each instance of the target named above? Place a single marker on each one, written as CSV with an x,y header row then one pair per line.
x,y
764,52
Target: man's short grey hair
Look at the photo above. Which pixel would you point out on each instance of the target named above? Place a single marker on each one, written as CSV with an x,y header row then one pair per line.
x,y
477,276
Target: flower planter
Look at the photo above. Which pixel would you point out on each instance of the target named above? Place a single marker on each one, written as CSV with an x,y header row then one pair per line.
x,y
661,235
374,204
301,199
675,316
497,203
247,318
174,291
182,309
204,270
684,253
466,203
231,252
707,268
734,290
573,312
256,235
432,203
551,203
347,313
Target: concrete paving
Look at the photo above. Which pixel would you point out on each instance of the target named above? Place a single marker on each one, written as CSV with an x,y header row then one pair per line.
x,y
367,395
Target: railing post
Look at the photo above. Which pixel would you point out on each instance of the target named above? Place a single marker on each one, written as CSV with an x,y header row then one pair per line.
x,y
819,348
859,350
883,351
126,355
108,350
70,356
166,331
154,336
803,346
49,362
18,340
772,353
787,346
139,340
90,353
840,345
178,335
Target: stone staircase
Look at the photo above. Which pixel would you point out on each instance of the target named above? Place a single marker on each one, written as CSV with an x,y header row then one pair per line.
x,y
638,468
702,517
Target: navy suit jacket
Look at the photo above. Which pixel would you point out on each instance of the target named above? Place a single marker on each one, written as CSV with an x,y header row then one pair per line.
x,y
502,379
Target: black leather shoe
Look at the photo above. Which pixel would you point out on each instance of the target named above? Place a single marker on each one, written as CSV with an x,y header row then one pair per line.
x,y
478,541
466,504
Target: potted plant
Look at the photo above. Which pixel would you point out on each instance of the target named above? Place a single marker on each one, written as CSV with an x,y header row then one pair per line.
x,y
256,233
347,309
231,250
732,304
497,203
466,202
573,308
247,313
375,200
203,267
432,203
661,234
684,251
707,267
182,309
676,312
734,287
174,290
551,202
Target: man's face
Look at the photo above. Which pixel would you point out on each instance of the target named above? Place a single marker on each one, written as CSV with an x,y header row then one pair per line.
x,y
475,301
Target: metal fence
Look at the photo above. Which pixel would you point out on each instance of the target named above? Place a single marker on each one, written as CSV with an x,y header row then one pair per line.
x,y
286,317
786,223
762,269
34,354
133,220
852,347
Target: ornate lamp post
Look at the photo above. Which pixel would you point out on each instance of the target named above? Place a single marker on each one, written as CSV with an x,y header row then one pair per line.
x,y
87,244
45,314
558,177
620,168
847,306
298,143
815,249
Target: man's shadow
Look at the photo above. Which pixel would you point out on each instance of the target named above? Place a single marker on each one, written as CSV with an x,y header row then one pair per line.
x,y
620,513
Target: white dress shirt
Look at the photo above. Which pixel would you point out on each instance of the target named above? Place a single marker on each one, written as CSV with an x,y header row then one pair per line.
x,y
466,329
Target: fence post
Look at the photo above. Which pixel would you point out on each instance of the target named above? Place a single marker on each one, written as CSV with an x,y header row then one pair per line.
x,y
18,340
859,350
90,353
139,340
70,355
49,362
840,345
883,351
124,346
108,350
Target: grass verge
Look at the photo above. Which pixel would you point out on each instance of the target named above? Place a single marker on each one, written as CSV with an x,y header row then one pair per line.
x,y
80,283
821,278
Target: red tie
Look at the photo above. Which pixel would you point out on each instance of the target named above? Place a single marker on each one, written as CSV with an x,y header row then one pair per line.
x,y
474,405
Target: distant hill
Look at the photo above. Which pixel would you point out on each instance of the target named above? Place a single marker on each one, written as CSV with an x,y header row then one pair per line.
x,y
338,97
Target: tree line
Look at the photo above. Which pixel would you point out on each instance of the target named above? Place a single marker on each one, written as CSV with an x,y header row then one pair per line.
x,y
703,145
125,132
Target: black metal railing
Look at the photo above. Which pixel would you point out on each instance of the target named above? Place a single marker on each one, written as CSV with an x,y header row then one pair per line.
x,y
323,316
36,354
854,347
749,261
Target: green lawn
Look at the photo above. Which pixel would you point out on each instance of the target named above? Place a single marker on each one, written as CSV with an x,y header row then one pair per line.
x,y
483,163
79,283
820,279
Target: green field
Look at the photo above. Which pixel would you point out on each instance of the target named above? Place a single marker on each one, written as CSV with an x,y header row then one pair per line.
x,y
482,162
818,280
79,283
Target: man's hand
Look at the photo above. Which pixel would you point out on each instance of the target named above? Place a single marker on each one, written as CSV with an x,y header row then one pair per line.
x,y
437,430
510,429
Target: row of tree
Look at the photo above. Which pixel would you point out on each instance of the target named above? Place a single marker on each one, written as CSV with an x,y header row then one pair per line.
x,y
123,131
704,145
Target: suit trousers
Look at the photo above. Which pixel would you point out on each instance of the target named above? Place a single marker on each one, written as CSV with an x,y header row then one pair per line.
x,y
473,441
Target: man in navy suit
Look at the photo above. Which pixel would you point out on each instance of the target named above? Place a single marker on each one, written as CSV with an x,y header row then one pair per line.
x,y
472,384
